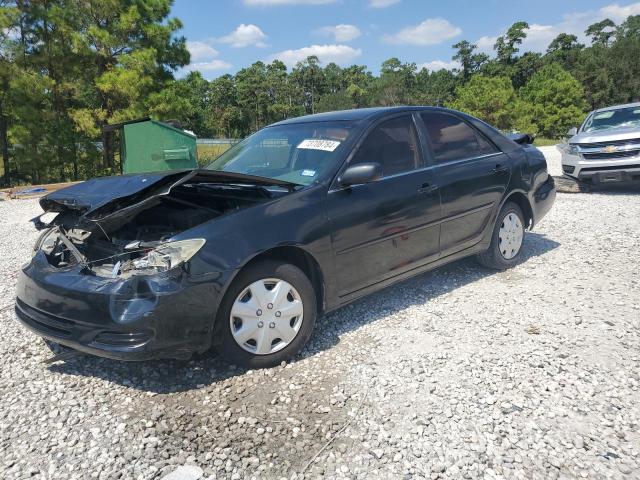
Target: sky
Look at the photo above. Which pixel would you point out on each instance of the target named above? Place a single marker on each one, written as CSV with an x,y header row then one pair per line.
x,y
226,35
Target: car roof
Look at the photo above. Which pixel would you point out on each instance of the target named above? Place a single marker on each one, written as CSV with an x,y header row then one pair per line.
x,y
617,107
355,115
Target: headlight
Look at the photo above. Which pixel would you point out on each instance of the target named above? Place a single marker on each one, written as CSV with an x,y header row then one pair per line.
x,y
572,149
166,256
47,241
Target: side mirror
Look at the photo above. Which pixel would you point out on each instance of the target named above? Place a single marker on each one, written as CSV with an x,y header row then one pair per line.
x,y
572,131
361,173
521,138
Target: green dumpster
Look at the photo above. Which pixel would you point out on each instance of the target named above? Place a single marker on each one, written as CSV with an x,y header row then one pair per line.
x,y
148,145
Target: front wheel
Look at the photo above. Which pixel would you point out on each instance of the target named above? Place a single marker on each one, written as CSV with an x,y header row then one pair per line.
x,y
506,242
267,315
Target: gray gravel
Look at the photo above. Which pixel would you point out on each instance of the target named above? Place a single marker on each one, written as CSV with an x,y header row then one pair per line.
x,y
460,373
554,159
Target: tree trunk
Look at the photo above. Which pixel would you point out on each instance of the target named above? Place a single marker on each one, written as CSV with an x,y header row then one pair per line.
x,y
4,145
75,160
105,154
107,150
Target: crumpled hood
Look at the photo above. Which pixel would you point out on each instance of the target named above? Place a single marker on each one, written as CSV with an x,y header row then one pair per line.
x,y
104,195
97,192
611,135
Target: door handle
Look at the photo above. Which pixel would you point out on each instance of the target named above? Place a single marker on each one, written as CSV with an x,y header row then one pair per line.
x,y
427,188
499,170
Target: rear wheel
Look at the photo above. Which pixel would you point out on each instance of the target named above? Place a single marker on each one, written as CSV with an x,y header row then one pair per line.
x,y
506,242
267,315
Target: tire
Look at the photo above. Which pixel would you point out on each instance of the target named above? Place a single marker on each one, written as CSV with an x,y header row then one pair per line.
x,y
251,319
503,258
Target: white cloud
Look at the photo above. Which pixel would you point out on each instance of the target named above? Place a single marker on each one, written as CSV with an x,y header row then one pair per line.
x,y
619,13
340,54
244,36
341,33
271,3
203,58
201,50
382,3
539,36
436,65
430,32
486,43
209,66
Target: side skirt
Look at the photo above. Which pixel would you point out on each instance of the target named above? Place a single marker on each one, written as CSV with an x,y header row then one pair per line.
x,y
408,274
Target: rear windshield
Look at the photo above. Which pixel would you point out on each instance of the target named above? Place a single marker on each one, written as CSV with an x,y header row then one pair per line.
x,y
298,153
621,118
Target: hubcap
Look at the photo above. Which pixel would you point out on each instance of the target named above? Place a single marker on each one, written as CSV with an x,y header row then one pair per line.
x,y
510,235
266,316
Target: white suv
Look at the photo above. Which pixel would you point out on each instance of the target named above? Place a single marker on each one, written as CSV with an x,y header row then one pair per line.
x,y
606,147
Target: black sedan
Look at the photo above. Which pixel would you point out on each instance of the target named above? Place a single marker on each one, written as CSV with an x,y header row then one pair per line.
x,y
298,219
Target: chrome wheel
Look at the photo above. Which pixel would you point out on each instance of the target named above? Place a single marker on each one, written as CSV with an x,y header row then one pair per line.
x,y
510,236
266,316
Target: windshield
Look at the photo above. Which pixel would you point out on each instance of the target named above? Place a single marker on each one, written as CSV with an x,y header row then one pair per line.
x,y
298,153
621,118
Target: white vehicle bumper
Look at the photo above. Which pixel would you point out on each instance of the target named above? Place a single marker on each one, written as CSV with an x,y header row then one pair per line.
x,y
614,169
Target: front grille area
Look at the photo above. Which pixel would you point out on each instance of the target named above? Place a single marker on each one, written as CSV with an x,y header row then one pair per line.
x,y
615,143
611,156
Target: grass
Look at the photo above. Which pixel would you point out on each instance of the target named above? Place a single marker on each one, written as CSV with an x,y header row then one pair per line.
x,y
545,142
207,153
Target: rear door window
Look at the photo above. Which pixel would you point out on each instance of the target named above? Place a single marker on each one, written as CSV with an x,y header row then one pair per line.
x,y
453,139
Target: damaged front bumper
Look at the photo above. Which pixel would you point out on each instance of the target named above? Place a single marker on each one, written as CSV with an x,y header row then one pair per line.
x,y
168,315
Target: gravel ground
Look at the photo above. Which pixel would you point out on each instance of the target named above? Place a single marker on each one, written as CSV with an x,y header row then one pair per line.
x,y
554,159
459,373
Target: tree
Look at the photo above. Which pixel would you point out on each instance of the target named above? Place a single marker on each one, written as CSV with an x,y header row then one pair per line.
x,y
623,62
565,49
555,99
630,28
184,100
223,116
524,68
340,100
359,84
564,42
283,93
8,22
592,71
310,78
470,62
435,88
253,94
130,50
68,67
601,32
395,84
493,99
506,46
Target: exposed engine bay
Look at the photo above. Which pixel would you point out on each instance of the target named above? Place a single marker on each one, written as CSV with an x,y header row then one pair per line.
x,y
135,238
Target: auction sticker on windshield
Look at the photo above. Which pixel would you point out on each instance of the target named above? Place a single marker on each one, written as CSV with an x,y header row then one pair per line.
x,y
314,144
